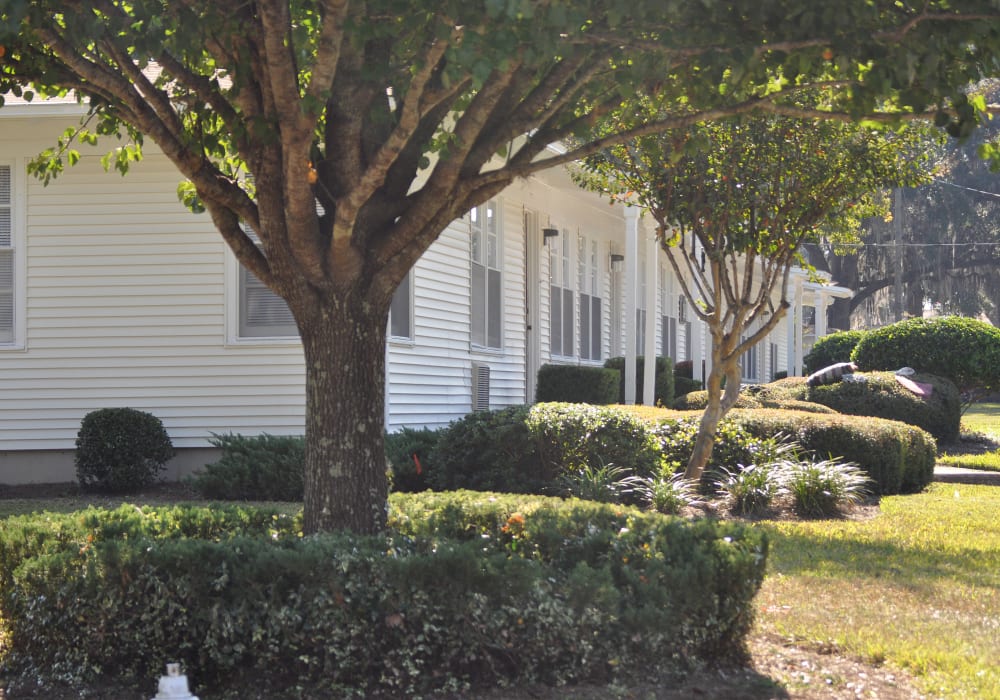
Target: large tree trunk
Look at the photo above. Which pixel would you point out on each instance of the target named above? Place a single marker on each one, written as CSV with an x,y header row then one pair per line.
x,y
346,487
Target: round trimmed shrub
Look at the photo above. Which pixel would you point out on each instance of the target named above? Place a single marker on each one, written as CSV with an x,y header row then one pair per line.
x,y
964,350
698,400
881,396
120,450
831,349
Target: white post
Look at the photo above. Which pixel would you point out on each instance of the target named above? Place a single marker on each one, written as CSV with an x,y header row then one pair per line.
x,y
649,351
822,300
796,358
631,293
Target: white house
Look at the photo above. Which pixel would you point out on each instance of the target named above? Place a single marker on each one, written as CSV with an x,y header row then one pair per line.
x,y
113,294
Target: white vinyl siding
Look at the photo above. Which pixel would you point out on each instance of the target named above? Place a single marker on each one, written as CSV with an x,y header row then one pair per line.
x,y
560,296
7,253
486,276
589,281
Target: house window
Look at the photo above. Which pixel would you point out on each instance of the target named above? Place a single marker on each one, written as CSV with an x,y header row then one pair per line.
x,y
560,296
588,272
263,314
401,310
640,311
750,362
7,255
773,355
486,293
668,324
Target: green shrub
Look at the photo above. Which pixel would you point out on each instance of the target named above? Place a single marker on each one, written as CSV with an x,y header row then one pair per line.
x,y
698,400
489,451
831,349
575,384
467,591
604,483
408,452
120,450
685,385
878,394
254,468
524,450
663,387
732,448
964,350
570,436
897,457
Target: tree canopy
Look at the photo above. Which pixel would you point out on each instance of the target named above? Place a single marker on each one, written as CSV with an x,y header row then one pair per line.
x,y
734,200
399,116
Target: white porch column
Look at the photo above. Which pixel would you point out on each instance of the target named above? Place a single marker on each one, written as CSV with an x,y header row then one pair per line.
x,y
649,352
631,294
698,349
822,300
796,350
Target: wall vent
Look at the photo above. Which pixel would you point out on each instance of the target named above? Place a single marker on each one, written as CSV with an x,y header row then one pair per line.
x,y
480,387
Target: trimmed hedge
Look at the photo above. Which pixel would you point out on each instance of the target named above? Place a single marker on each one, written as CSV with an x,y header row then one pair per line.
x,y
831,349
685,385
698,400
964,350
525,449
408,452
881,396
576,384
899,458
467,590
663,386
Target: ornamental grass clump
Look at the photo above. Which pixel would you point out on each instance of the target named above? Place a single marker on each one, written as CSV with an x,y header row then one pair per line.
x,y
750,489
822,488
668,493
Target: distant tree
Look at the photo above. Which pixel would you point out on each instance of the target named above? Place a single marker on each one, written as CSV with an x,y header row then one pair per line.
x,y
401,116
948,235
734,201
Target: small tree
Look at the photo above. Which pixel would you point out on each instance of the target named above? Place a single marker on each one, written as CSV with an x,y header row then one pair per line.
x,y
733,202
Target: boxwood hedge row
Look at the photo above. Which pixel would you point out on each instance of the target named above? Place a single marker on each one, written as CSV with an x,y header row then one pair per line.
x,y
466,590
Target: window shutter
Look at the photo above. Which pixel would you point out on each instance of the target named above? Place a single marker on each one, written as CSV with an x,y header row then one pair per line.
x,y
6,255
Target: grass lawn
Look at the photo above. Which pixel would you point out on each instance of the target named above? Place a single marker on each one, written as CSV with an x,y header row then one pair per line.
x,y
917,588
983,418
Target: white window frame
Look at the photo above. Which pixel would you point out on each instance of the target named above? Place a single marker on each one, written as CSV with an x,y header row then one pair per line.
x,y
486,251
561,291
590,304
13,206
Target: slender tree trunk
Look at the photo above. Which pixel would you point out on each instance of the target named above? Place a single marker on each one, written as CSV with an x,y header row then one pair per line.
x,y
346,487
719,403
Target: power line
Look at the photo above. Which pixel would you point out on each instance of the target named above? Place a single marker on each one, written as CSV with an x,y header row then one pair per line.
x,y
987,244
969,189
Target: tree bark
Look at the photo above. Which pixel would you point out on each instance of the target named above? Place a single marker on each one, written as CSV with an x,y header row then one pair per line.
x,y
346,486
720,401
